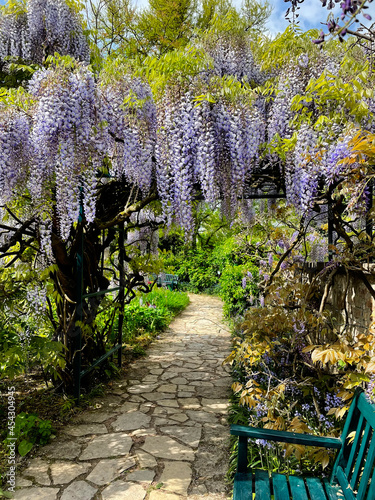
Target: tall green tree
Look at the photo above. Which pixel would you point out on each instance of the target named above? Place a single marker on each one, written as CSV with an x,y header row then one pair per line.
x,y
167,24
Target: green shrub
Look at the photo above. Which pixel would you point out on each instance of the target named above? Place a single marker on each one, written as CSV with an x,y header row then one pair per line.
x,y
237,298
139,318
20,352
148,313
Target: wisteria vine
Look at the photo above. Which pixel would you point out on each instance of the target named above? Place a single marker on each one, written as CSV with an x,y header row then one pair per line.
x,y
71,123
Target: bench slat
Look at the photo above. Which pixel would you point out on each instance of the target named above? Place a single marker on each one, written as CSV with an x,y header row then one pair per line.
x,y
355,447
366,409
361,454
371,491
298,488
315,488
345,486
243,486
367,469
333,492
262,485
280,487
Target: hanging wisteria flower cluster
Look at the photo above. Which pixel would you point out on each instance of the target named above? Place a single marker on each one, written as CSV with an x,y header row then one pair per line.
x,y
61,141
45,27
133,125
213,145
232,55
37,298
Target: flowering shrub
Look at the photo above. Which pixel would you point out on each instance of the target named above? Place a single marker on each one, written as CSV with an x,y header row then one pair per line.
x,y
295,368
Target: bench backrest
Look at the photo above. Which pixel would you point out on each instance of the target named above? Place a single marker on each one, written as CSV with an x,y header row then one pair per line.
x,y
354,465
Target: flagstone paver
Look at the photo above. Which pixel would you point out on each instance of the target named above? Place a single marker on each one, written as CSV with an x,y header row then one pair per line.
x,y
161,433
109,469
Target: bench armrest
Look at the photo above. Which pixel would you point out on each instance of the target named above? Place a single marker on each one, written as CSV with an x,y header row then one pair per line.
x,y
285,437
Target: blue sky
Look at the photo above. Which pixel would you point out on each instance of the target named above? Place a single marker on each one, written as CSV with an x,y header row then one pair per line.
x,y
311,14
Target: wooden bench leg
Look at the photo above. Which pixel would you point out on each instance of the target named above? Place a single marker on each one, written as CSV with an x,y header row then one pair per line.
x,y
242,454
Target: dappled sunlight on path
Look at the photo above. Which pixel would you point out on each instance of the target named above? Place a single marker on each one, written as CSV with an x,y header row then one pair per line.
x,y
160,433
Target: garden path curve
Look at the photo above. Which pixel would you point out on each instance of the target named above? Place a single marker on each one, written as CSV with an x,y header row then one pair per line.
x,y
160,433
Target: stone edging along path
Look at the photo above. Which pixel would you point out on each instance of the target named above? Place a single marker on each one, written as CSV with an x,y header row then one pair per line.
x,y
161,433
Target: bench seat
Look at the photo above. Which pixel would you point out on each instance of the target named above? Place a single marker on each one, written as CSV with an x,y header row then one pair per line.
x,y
260,485
353,474
164,280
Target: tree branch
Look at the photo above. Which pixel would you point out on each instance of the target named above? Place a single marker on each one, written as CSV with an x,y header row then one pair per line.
x,y
125,214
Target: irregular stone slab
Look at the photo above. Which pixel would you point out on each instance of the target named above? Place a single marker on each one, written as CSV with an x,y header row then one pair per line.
x,y
150,378
213,392
156,371
159,411
188,435
144,432
79,490
85,429
107,470
163,421
22,482
36,494
120,490
176,477
171,388
38,469
64,472
156,396
136,399
215,405
179,381
201,416
171,403
162,447
128,407
106,446
184,394
190,403
141,476
131,421
141,388
68,450
146,460
198,376
163,495
224,382
93,416
145,407
179,417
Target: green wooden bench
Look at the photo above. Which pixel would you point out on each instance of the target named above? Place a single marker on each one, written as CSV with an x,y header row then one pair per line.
x,y
165,280
353,475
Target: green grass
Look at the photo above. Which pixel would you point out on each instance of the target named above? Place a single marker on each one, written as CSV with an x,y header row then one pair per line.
x,y
174,302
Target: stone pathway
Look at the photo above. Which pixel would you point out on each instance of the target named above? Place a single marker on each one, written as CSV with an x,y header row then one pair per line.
x,y
159,434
